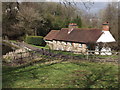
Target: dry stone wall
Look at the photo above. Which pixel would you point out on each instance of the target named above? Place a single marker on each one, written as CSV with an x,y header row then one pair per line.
x,y
18,53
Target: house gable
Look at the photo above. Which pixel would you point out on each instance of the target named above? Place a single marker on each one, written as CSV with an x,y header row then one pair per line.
x,y
106,37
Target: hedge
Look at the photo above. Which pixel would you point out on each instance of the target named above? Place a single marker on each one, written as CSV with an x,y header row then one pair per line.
x,y
35,40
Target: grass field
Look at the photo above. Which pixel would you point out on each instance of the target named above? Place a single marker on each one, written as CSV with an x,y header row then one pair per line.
x,y
46,47
62,75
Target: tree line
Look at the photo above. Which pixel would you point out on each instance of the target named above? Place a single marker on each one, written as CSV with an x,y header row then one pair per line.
x,y
38,18
20,19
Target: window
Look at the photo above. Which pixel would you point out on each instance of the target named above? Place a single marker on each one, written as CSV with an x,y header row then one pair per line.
x,y
72,44
80,45
54,41
64,43
69,43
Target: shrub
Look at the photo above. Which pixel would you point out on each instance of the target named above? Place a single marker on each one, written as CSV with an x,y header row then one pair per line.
x,y
35,40
21,38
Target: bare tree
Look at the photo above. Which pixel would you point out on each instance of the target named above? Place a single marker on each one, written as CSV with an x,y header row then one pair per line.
x,y
29,19
110,14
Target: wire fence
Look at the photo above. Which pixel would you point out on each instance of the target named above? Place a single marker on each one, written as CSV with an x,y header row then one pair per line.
x,y
51,55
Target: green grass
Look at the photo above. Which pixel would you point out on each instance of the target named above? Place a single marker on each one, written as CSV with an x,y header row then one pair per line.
x,y
108,56
14,41
60,52
62,75
10,44
46,47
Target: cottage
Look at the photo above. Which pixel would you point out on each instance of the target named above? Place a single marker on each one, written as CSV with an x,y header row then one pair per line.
x,y
80,39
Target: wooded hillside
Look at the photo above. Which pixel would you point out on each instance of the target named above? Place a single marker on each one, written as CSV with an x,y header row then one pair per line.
x,y
30,18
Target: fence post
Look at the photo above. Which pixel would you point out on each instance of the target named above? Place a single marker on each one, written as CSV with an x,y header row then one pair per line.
x,y
87,55
32,54
49,53
21,55
14,56
43,51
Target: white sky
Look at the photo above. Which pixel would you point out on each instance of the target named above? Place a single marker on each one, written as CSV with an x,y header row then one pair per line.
x,y
85,0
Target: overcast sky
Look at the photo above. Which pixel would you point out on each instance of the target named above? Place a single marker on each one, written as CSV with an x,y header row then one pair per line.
x,y
96,7
98,4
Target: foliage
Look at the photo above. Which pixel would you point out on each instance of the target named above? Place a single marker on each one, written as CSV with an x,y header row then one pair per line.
x,y
35,40
30,20
62,75
78,21
35,18
9,20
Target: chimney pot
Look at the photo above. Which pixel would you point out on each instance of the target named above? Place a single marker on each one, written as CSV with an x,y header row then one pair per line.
x,y
73,25
105,26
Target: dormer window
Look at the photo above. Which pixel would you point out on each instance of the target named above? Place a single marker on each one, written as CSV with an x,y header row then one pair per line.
x,y
70,30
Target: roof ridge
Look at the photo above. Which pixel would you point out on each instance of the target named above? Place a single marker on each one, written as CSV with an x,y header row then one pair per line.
x,y
83,28
54,30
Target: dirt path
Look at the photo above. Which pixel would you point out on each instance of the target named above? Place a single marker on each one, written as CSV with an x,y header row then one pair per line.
x,y
23,44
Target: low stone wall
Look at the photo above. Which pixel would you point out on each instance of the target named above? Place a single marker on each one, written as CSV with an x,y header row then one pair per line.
x,y
19,53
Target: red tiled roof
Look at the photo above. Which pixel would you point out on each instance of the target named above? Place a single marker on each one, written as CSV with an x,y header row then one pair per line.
x,y
51,35
84,35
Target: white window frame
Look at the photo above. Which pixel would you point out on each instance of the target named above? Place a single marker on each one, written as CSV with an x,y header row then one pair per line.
x,y
80,45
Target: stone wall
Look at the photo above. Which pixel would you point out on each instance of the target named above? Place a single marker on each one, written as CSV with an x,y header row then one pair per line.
x,y
67,46
18,53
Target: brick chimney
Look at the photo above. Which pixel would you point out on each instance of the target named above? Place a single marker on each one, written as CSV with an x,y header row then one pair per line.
x,y
105,26
72,25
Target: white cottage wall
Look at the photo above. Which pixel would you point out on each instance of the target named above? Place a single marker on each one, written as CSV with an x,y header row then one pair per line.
x,y
67,46
105,38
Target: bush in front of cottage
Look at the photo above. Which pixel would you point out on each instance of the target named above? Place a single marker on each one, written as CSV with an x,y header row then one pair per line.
x,y
35,40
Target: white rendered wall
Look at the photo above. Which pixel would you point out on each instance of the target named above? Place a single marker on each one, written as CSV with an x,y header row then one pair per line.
x,y
104,51
106,37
